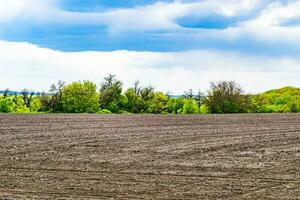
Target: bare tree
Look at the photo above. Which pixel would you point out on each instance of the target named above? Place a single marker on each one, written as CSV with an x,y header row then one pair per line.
x,y
56,90
136,87
188,94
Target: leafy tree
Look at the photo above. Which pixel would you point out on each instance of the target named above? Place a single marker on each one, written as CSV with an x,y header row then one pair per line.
x,y
6,104
111,97
285,99
147,94
46,102
134,101
227,97
158,104
190,107
140,98
27,97
80,97
175,105
35,104
19,105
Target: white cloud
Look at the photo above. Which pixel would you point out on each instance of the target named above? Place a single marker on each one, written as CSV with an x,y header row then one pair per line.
x,y
158,16
23,65
266,27
25,9
275,15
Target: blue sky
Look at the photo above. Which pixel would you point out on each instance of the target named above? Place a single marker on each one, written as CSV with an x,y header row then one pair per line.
x,y
251,32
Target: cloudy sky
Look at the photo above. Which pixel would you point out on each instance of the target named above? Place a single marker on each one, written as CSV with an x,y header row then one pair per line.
x,y
171,44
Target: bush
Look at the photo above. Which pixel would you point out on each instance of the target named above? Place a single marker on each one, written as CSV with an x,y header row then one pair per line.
x,y
204,109
80,97
175,105
158,104
19,106
190,107
283,100
133,101
227,97
104,111
35,105
6,105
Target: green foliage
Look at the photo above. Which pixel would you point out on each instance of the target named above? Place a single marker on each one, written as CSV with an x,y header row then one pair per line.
x,y
19,105
80,97
227,97
111,97
46,102
190,106
204,109
146,94
158,103
104,111
175,105
27,97
35,104
145,100
6,105
281,100
134,101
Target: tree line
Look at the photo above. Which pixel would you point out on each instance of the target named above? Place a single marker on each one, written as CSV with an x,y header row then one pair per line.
x,y
85,97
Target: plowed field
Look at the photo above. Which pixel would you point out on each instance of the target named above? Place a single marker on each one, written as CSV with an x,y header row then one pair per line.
x,y
150,156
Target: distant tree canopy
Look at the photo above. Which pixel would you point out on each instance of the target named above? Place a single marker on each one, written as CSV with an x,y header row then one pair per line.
x,y
84,97
80,97
227,97
281,100
111,97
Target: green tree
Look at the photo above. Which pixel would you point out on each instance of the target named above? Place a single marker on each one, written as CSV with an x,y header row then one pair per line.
x,y
158,104
227,97
27,97
35,104
46,102
80,97
147,94
175,105
190,106
134,101
286,99
19,105
111,97
6,104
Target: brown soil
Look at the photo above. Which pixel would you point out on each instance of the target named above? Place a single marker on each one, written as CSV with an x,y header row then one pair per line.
x,y
150,156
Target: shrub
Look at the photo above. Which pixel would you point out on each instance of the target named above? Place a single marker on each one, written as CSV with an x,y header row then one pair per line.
x,y
35,105
80,97
6,105
190,107
104,111
227,97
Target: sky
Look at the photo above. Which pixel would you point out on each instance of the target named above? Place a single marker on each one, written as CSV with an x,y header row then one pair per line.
x,y
173,45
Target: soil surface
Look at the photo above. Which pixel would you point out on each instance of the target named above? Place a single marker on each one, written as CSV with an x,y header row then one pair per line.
x,y
150,156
